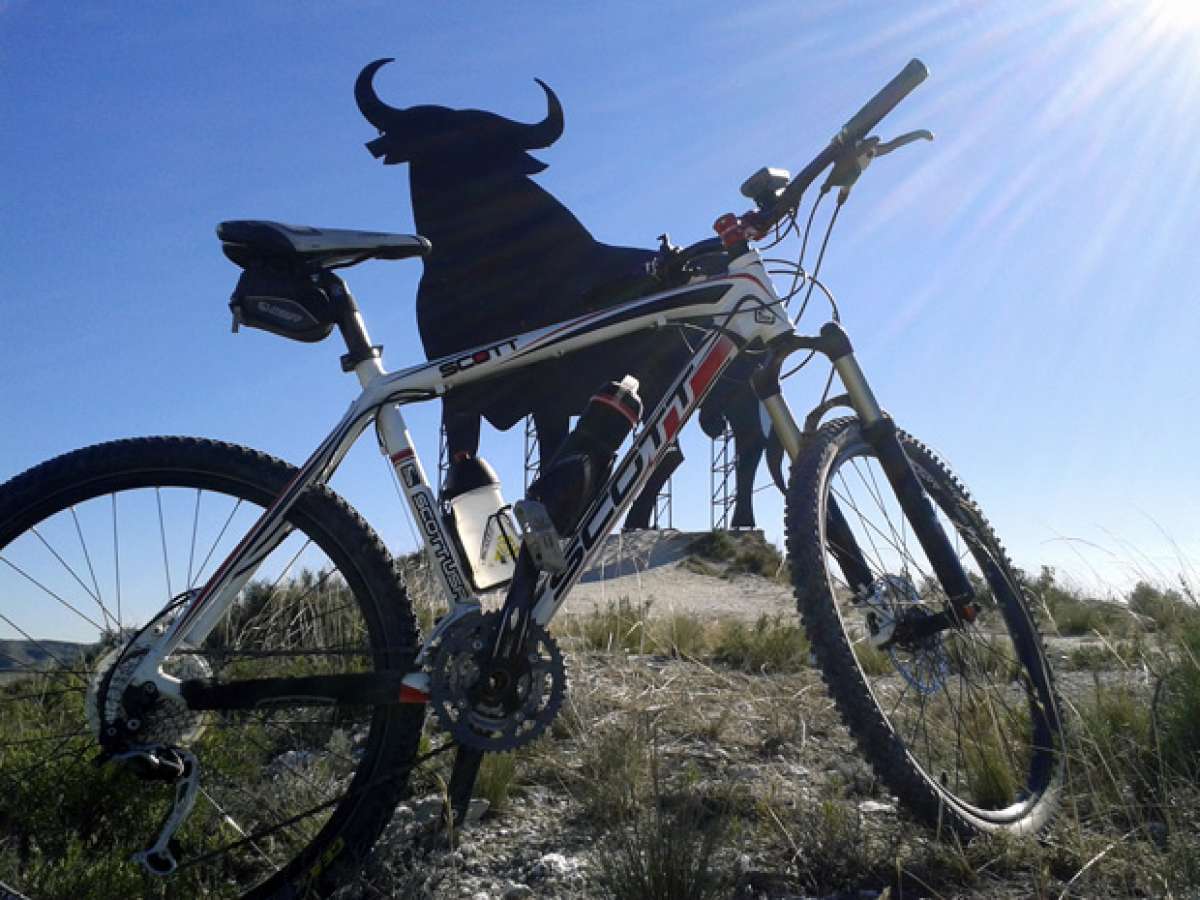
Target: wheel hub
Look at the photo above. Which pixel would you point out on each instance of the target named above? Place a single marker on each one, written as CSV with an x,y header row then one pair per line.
x,y
119,712
894,608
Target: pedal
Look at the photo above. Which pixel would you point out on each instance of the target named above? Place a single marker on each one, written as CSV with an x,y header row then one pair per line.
x,y
540,536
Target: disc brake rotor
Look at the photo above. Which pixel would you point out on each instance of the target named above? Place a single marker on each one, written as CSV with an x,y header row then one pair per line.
x,y
495,708
924,663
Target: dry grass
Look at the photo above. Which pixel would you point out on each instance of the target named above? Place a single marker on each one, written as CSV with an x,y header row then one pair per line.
x,y
1130,825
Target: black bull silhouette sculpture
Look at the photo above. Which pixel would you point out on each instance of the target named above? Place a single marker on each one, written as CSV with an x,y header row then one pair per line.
x,y
508,257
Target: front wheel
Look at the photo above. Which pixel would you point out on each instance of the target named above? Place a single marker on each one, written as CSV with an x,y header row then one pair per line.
x,y
100,544
962,724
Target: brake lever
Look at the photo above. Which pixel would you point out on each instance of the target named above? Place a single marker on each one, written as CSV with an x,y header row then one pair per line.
x,y
854,161
897,143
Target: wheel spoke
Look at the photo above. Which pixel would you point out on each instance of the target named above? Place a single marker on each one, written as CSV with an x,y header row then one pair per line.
x,y
117,561
232,823
216,541
314,609
91,570
956,701
63,667
38,584
162,530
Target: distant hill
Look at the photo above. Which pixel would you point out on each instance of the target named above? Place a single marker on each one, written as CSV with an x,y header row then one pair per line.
x,y
19,655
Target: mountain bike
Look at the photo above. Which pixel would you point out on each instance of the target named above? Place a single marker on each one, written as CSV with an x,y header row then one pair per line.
x,y
213,679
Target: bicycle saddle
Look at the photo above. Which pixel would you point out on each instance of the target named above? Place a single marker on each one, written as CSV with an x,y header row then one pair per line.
x,y
248,240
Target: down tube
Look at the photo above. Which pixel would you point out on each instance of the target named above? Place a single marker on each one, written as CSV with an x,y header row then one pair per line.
x,y
631,476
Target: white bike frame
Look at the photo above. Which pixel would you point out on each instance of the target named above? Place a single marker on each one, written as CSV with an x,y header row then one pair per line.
x,y
735,309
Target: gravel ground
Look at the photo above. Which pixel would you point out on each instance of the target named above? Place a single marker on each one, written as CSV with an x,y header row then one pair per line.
x,y
812,820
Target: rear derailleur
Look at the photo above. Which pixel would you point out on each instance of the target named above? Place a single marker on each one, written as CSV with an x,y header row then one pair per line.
x,y
171,765
143,731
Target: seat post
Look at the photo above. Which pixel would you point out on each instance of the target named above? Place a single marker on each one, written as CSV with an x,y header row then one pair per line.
x,y
349,322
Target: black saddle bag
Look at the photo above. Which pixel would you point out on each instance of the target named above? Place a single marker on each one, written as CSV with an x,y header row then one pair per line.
x,y
282,300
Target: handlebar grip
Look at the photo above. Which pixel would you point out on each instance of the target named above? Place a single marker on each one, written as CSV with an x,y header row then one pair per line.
x,y
884,102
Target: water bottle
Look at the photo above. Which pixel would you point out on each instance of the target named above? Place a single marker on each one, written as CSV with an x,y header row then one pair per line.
x,y
481,521
581,465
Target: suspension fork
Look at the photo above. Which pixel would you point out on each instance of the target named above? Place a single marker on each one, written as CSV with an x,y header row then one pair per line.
x,y
879,431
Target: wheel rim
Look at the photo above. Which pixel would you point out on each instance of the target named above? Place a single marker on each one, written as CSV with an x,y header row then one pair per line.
x,y
81,581
973,707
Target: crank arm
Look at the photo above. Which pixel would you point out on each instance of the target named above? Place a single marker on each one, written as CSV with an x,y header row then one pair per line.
x,y
462,782
359,689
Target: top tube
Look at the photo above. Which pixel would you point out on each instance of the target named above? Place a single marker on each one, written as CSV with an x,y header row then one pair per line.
x,y
714,303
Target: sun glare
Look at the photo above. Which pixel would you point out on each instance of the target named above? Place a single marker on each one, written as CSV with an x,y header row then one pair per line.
x,y
1179,18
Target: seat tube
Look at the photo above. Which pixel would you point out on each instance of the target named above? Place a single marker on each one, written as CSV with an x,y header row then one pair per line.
x,y
396,444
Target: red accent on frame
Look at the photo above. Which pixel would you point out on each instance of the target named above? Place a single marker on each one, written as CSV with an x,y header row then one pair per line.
x,y
252,535
400,455
671,425
712,364
412,695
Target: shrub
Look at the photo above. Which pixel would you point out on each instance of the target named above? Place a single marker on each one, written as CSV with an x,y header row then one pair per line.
x,y
1176,709
497,775
679,634
1071,613
874,662
770,644
1161,609
618,626
612,771
666,850
745,552
757,557
715,545
834,849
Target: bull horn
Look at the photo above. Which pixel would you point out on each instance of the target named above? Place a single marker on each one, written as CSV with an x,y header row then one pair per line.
x,y
550,129
373,109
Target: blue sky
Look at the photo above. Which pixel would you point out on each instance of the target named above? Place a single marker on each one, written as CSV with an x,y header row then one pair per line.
x,y
1022,292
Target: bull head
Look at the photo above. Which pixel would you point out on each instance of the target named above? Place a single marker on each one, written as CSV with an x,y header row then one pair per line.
x,y
423,134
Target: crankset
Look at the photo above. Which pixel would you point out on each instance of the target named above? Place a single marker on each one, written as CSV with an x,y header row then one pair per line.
x,y
488,704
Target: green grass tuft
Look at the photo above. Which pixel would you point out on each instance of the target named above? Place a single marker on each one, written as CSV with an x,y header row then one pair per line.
x,y
771,644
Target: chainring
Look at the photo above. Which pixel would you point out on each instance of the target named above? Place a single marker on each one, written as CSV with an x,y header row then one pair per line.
x,y
488,708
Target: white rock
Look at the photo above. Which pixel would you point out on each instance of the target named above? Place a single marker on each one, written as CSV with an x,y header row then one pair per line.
x,y
477,810
874,806
555,865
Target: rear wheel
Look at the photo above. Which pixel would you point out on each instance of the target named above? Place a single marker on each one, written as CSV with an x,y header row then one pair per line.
x,y
963,725
99,543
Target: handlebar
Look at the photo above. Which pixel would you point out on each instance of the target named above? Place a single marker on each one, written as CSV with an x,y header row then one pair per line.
x,y
850,134
883,103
